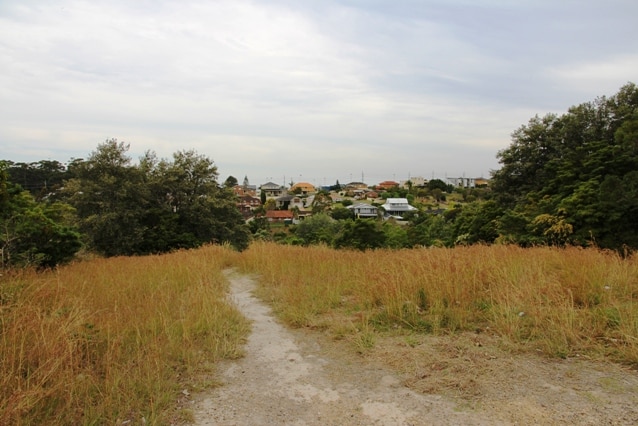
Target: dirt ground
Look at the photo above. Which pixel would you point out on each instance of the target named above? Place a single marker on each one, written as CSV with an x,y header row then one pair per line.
x,y
299,377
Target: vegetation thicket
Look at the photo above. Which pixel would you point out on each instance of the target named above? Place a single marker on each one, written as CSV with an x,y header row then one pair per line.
x,y
573,179
114,207
116,340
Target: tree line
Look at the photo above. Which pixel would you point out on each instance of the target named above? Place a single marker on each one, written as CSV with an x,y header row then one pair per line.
x,y
111,206
569,179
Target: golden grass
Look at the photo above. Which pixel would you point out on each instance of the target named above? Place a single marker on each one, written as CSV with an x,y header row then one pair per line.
x,y
559,301
111,340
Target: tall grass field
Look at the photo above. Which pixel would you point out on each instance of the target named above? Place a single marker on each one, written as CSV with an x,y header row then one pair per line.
x,y
111,341
558,301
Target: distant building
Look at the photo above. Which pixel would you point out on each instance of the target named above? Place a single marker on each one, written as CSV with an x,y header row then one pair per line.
x,y
417,181
241,190
397,207
463,182
279,215
481,182
363,210
387,184
272,190
289,201
303,188
355,185
246,204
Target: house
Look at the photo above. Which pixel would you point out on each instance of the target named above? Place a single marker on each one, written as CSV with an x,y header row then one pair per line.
x,y
355,185
371,195
415,181
272,190
249,201
363,210
279,215
397,207
246,204
481,182
303,188
283,202
387,184
301,215
288,202
241,190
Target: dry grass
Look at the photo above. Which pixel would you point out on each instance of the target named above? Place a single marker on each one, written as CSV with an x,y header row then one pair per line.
x,y
111,340
561,302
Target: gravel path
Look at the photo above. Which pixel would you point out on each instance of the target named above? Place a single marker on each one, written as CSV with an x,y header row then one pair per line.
x,y
297,377
286,378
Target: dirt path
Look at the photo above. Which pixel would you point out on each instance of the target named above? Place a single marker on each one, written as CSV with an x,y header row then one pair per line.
x,y
290,377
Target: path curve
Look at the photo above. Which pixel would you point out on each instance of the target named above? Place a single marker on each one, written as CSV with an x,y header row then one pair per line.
x,y
287,378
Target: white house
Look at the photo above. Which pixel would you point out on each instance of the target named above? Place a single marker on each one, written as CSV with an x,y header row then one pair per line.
x,y
397,207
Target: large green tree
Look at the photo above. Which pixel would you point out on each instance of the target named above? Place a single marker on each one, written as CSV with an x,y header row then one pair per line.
x,y
154,206
361,234
319,228
111,200
571,178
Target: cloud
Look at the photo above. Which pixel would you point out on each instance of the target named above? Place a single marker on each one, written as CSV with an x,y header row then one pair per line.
x,y
605,74
301,87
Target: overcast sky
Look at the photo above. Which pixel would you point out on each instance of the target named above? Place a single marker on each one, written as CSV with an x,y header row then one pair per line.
x,y
304,90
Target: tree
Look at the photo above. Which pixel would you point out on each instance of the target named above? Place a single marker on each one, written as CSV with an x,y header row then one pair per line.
x,y
437,184
270,204
231,182
430,230
571,177
202,211
396,236
40,178
33,234
153,207
319,228
321,202
341,213
361,234
110,198
478,222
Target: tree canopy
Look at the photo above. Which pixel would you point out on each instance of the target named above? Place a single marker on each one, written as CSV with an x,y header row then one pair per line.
x,y
156,206
31,233
574,178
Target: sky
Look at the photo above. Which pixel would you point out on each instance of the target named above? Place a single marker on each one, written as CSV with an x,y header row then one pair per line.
x,y
300,90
